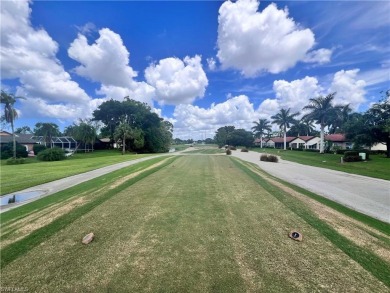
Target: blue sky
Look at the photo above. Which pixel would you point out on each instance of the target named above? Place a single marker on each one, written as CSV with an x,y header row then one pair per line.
x,y
199,64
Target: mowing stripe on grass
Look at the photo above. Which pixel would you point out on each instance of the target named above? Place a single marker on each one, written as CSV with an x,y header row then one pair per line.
x,y
365,219
18,248
372,263
20,212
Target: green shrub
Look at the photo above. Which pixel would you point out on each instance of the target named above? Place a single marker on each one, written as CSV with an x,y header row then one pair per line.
x,y
228,152
233,148
7,151
351,153
341,152
269,158
244,150
37,148
54,154
299,149
17,161
352,159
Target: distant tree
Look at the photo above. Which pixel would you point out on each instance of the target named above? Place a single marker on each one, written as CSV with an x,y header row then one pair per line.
x,y
321,111
260,129
338,118
241,137
84,132
284,119
10,114
155,131
209,141
23,130
371,127
47,131
223,135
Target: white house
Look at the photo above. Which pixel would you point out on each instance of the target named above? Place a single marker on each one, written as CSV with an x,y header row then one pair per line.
x,y
305,142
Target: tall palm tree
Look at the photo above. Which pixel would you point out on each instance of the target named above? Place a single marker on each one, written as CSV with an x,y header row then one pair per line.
x,y
339,117
10,114
321,109
260,129
284,119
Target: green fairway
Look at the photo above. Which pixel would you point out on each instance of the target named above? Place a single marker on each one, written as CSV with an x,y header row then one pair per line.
x,y
377,166
190,224
34,172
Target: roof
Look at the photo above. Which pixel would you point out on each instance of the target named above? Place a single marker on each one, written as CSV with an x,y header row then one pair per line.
x,y
338,137
306,137
281,139
5,133
19,137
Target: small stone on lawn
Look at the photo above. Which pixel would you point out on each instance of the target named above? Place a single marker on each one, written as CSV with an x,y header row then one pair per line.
x,y
88,238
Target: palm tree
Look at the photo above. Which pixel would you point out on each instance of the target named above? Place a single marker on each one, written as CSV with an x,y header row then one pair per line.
x,y
47,131
340,116
123,131
321,109
10,114
260,129
284,119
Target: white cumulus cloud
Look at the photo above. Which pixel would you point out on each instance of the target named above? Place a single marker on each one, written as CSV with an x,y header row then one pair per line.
x,y
29,55
255,42
320,56
296,94
237,111
177,81
350,89
107,61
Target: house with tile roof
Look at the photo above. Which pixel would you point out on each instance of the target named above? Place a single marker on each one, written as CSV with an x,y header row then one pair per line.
x,y
26,140
339,140
305,142
279,141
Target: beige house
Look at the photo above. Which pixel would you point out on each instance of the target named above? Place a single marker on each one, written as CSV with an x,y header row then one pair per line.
x,y
305,142
339,140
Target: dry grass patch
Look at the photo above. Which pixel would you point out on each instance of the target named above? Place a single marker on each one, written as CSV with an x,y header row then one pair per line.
x,y
359,233
200,226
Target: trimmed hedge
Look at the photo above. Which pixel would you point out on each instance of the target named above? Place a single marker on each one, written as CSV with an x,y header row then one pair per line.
x,y
228,152
351,156
244,150
17,161
7,151
269,158
54,154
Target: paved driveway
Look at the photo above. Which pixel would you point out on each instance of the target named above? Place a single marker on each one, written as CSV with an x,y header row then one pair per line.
x,y
367,195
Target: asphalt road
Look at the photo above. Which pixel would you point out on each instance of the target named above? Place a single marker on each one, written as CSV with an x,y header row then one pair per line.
x,y
367,195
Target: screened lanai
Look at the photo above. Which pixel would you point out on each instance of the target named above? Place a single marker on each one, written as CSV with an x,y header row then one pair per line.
x,y
64,142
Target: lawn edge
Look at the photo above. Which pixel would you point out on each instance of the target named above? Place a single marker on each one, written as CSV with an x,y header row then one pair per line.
x,y
22,246
368,260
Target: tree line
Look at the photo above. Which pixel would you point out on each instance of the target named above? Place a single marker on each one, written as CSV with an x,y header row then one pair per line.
x,y
129,123
363,129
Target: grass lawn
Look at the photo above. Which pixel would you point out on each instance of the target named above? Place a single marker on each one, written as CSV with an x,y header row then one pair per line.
x,y
34,172
377,166
190,224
